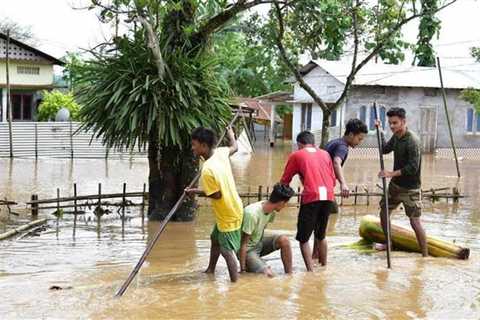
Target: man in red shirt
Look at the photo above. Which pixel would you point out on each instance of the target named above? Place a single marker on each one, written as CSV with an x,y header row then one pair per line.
x,y
315,168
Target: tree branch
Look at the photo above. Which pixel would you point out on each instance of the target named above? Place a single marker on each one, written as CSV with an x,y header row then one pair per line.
x,y
289,64
380,46
223,17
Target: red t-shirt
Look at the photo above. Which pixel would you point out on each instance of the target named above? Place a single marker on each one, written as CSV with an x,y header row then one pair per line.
x,y
315,168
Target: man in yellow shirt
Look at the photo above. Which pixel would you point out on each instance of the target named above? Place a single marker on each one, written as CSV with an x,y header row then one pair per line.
x,y
218,184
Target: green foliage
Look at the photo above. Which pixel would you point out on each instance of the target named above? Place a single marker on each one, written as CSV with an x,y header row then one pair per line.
x,y
55,100
476,53
250,69
125,101
429,26
72,68
472,96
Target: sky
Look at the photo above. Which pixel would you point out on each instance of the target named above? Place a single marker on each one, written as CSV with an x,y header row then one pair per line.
x,y
60,28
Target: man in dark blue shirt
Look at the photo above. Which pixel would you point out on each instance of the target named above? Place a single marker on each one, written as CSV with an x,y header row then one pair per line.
x,y
355,132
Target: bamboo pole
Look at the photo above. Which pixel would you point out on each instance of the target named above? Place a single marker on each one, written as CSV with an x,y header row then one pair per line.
x,y
444,97
24,227
9,95
155,238
386,215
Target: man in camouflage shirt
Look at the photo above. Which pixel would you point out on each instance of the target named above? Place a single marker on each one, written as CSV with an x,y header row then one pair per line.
x,y
405,185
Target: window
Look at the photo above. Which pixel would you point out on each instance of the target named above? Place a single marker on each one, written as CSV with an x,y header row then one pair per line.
x,y
369,117
21,107
28,70
333,119
306,123
470,120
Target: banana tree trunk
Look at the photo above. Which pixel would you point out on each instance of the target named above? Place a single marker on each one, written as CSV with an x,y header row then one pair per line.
x,y
404,239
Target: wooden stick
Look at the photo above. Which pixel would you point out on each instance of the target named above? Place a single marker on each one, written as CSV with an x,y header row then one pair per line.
x,y
34,206
355,199
24,227
36,141
155,238
444,96
385,190
259,193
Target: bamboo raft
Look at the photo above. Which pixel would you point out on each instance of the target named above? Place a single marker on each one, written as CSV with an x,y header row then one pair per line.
x,y
404,239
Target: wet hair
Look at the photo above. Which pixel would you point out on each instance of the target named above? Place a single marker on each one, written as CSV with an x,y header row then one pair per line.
x,y
397,112
281,192
355,126
306,137
205,135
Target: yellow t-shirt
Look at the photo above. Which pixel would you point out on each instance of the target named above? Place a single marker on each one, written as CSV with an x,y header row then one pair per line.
x,y
217,176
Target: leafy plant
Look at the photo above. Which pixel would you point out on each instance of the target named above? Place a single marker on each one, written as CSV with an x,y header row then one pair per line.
x,y
54,101
472,96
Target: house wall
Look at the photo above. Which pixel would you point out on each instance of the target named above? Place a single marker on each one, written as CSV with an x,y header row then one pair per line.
x,y
44,78
412,99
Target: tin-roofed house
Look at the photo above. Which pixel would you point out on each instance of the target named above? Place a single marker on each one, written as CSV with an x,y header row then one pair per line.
x,y
30,72
417,89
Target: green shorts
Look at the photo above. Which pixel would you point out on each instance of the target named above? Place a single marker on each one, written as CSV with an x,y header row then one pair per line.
x,y
410,198
267,245
227,240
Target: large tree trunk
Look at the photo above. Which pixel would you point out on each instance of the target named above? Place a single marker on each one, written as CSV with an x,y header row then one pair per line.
x,y
176,168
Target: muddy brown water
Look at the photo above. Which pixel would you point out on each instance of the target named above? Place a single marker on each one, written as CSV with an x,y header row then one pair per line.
x,y
171,284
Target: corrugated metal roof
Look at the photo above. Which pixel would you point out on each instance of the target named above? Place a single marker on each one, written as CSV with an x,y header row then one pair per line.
x,y
389,75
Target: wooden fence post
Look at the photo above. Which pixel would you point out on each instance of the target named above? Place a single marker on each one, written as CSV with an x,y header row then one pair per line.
x,y
74,209
123,207
143,202
71,140
259,196
58,209
36,141
99,208
34,206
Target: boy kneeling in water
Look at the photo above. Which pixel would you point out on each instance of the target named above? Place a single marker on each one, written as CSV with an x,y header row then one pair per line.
x,y
255,244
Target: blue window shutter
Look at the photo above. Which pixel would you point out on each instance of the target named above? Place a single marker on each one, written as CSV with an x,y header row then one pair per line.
x,y
363,114
469,120
478,122
383,114
333,119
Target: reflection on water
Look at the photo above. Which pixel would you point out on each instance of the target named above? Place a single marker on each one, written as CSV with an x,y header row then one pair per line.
x,y
171,283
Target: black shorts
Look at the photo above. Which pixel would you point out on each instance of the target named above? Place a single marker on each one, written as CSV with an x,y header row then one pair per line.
x,y
313,217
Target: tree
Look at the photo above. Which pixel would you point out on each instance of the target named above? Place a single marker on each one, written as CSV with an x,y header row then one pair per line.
x,y
17,31
428,28
157,82
250,68
472,95
53,101
323,29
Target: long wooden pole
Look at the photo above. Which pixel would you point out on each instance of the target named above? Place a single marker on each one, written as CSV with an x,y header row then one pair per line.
x,y
444,96
162,226
385,190
9,95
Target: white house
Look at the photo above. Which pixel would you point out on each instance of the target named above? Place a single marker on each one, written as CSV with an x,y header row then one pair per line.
x,y
417,89
30,72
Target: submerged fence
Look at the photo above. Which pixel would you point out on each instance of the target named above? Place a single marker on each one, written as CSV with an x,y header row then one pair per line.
x,y
57,140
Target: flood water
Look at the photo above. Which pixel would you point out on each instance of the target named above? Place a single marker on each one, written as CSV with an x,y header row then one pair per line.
x,y
354,285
